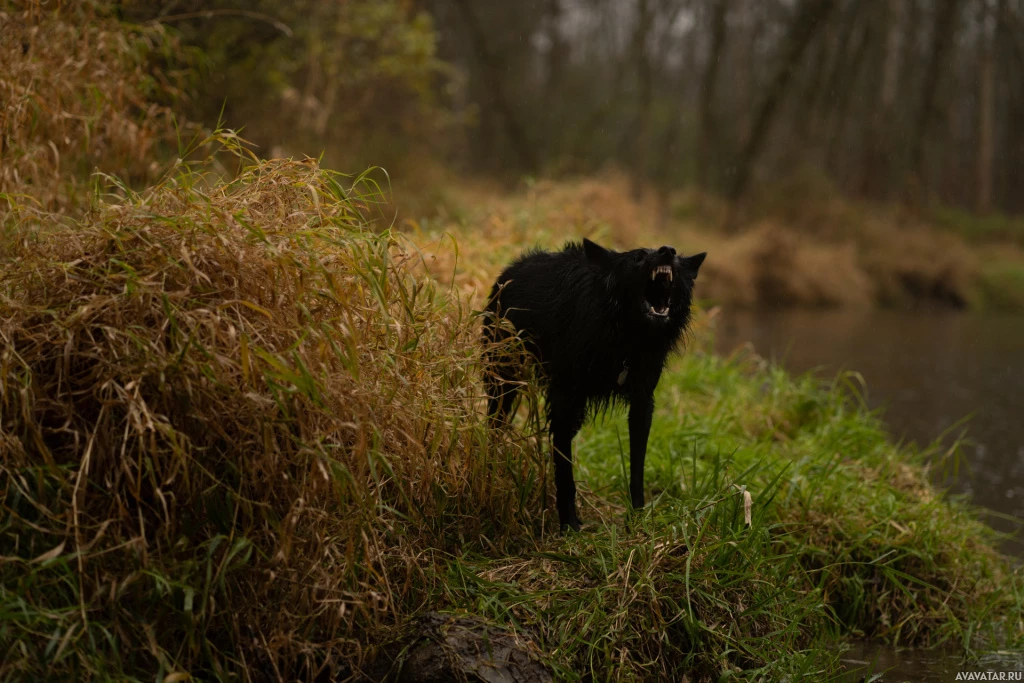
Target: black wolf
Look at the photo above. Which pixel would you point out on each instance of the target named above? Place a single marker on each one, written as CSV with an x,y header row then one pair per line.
x,y
601,324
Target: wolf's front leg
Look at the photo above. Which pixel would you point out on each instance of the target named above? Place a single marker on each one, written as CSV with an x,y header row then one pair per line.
x,y
641,408
564,425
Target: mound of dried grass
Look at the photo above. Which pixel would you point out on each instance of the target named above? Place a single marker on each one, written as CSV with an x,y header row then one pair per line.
x,y
78,93
912,265
771,266
235,433
837,255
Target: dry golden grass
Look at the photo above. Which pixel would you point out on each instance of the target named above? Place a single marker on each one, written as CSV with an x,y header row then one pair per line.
x,y
827,253
770,265
216,398
77,95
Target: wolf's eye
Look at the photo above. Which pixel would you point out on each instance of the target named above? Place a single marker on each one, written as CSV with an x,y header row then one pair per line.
x,y
638,257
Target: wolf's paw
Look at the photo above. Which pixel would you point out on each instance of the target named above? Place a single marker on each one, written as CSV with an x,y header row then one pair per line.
x,y
572,522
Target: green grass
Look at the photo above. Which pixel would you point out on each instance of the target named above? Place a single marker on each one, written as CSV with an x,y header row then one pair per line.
x,y
1001,286
886,551
847,539
977,228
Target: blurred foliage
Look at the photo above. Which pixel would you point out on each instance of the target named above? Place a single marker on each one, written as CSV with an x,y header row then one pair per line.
x,y
357,79
80,91
977,228
918,102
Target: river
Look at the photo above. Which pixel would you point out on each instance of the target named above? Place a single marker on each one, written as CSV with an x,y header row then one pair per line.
x,y
928,371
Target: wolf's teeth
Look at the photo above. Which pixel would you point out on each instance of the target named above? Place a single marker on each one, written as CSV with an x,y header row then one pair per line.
x,y
653,273
670,276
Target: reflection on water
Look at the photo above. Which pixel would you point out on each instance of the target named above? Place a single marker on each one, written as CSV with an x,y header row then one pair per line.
x,y
929,371
864,660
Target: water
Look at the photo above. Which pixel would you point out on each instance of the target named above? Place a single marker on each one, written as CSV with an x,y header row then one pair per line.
x,y
863,661
928,371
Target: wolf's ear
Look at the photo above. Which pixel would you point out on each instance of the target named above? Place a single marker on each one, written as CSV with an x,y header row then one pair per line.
x,y
691,264
596,254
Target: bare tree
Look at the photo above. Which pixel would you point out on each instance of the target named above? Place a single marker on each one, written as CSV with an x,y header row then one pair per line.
x,y
667,149
708,130
599,115
986,102
680,89
808,18
850,68
942,39
514,129
634,141
558,50
876,172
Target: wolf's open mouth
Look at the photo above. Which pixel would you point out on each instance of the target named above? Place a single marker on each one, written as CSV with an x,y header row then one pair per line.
x,y
658,292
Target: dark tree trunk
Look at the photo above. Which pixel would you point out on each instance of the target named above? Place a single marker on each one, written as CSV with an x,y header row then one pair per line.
x,y
942,39
823,55
558,52
513,128
986,106
667,152
708,131
809,16
601,113
637,132
852,70
876,172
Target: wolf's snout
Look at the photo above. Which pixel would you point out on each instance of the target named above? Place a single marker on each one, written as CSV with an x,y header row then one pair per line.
x,y
667,250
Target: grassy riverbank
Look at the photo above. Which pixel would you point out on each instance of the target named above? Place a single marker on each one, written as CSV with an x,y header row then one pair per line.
x,y
242,436
241,430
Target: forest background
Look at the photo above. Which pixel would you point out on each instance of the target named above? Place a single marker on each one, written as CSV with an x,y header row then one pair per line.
x,y
831,152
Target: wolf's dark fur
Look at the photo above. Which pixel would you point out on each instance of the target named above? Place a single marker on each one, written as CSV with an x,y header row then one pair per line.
x,y
601,327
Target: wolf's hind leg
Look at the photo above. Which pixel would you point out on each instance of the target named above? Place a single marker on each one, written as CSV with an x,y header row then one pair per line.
x,y
501,395
500,371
